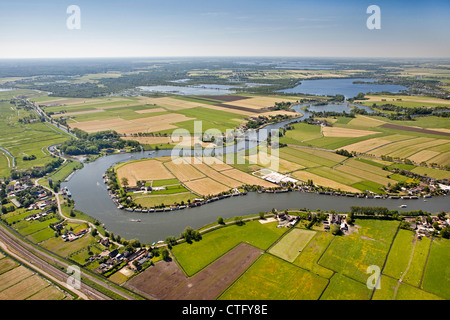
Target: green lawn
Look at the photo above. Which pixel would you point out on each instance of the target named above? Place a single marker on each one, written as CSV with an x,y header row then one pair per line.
x,y
150,200
41,235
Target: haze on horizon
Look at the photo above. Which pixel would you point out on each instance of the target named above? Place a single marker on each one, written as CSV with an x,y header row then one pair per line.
x,y
254,28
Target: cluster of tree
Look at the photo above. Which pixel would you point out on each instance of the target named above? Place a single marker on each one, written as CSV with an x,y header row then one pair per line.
x,y
344,153
383,212
29,196
359,96
284,105
255,123
190,234
93,143
326,114
29,158
37,172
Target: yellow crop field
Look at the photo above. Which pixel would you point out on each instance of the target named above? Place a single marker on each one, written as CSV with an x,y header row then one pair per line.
x,y
365,174
366,145
183,171
147,124
246,178
366,122
345,132
174,104
442,159
217,176
206,186
259,102
318,180
423,155
143,170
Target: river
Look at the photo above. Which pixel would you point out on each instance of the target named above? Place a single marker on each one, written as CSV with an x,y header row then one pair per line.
x,y
91,197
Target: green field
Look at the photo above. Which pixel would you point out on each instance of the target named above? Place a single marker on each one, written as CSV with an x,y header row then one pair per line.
x,y
336,266
271,278
342,287
353,254
399,258
289,247
193,257
24,139
149,201
310,255
437,272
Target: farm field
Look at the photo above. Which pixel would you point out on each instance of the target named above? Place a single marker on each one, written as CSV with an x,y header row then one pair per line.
x,y
352,254
147,170
24,139
418,141
327,267
132,115
290,246
404,101
188,178
194,257
204,285
20,283
437,272
365,173
272,278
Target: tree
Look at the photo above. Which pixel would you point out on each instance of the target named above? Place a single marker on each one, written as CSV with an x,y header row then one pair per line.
x,y
261,214
190,234
220,220
124,181
171,241
445,232
349,218
436,226
335,229
164,254
238,220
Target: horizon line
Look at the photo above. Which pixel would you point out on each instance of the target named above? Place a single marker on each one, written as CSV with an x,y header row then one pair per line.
x,y
228,56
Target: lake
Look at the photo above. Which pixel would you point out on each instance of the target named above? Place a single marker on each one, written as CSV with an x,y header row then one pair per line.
x,y
346,87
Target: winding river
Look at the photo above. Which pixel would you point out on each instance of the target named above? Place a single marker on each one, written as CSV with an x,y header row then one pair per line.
x,y
91,196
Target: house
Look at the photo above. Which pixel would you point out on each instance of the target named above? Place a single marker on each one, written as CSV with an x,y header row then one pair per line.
x,y
105,242
113,253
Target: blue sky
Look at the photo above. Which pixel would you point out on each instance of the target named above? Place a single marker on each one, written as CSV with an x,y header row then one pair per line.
x,y
114,28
